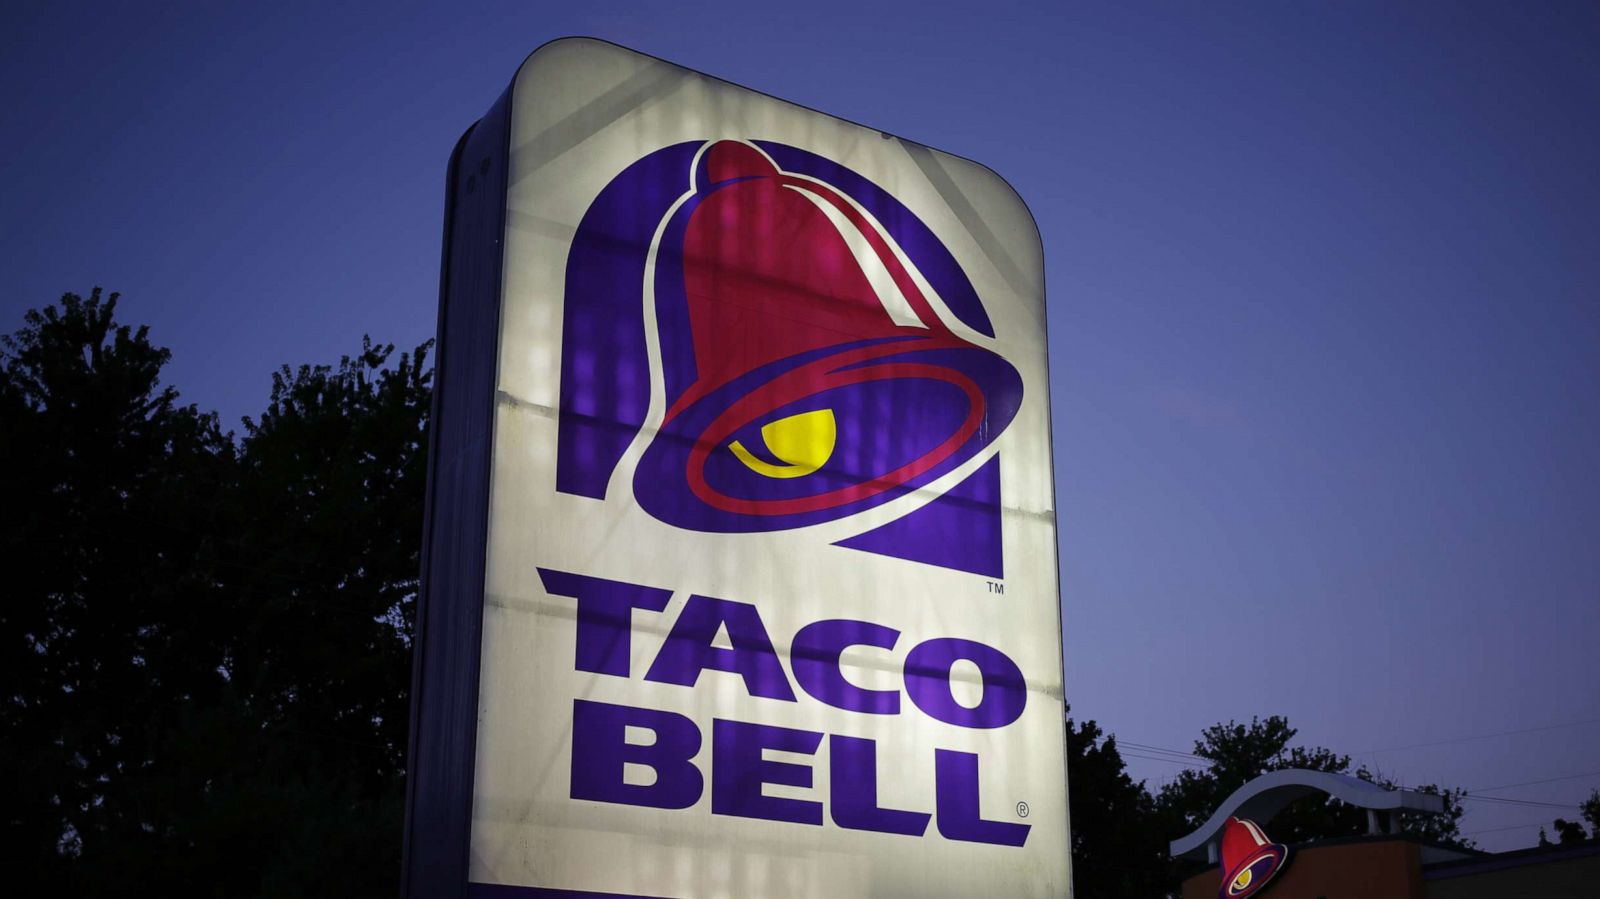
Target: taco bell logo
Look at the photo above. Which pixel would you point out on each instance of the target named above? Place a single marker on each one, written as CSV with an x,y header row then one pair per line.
x,y
741,571
814,351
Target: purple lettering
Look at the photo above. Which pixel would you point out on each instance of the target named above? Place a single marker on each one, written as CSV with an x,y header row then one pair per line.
x,y
738,771
853,790
688,650
601,753
928,683
955,777
815,657
605,617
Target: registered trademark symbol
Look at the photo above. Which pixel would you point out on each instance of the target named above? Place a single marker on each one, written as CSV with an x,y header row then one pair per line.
x,y
1022,810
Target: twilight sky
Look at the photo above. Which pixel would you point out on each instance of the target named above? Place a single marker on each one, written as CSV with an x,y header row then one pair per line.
x,y
1324,287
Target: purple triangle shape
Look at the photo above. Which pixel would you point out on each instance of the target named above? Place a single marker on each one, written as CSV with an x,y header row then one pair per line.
x,y
959,530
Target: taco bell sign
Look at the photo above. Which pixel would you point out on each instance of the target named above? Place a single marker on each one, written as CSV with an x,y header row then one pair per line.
x,y
740,560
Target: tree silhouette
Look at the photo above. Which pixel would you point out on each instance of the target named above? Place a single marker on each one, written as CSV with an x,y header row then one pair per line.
x,y
1569,832
108,611
205,641
1238,753
1119,842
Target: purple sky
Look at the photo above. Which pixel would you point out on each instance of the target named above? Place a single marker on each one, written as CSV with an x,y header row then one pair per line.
x,y
1324,285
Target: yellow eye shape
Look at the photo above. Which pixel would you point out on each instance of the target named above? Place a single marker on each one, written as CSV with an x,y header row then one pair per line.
x,y
804,442
1243,880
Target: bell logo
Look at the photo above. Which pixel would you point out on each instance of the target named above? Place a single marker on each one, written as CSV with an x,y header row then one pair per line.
x,y
791,345
1249,859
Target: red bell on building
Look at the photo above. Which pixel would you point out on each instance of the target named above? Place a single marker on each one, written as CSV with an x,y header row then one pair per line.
x,y
1249,859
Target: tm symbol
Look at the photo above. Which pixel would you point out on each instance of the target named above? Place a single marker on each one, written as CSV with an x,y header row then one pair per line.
x,y
996,586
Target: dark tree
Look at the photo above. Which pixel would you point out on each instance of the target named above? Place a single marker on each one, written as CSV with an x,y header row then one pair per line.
x,y
332,487
1119,843
109,627
1568,832
205,643
324,579
1238,753
319,576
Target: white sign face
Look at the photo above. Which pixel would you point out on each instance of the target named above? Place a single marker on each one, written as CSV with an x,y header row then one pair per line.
x,y
771,599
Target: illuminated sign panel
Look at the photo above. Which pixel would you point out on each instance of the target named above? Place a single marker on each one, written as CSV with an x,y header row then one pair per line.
x,y
741,575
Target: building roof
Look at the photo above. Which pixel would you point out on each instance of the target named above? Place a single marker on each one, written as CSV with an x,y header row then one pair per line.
x,y
1268,794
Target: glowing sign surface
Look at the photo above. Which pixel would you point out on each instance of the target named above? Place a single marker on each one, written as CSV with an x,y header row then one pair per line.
x,y
769,599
